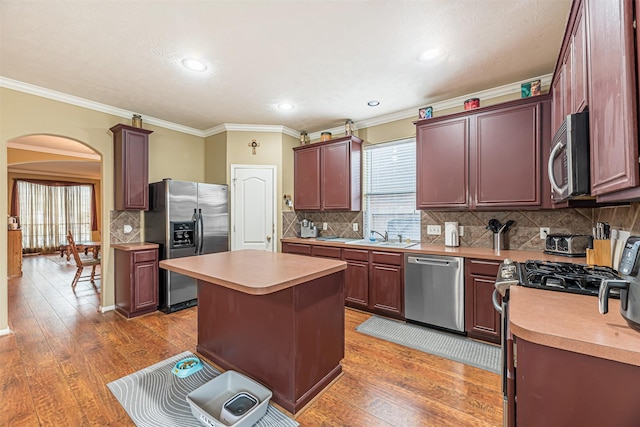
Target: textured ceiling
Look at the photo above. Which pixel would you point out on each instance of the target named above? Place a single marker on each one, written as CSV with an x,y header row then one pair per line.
x,y
328,58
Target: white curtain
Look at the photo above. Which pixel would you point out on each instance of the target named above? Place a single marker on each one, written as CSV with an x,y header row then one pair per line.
x,y
47,212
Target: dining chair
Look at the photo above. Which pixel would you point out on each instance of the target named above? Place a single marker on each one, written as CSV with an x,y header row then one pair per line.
x,y
81,263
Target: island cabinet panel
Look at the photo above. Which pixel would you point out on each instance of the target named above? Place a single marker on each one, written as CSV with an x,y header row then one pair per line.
x,y
356,281
327,175
386,284
613,95
136,281
131,169
292,341
506,145
482,321
551,384
306,176
464,160
442,164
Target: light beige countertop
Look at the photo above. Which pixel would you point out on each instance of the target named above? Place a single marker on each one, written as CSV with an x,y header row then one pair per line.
x,y
572,322
134,246
461,251
252,271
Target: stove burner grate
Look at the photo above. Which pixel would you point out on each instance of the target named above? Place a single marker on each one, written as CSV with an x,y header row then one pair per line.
x,y
567,277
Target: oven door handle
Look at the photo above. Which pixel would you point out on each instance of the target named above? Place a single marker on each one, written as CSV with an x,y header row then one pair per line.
x,y
496,303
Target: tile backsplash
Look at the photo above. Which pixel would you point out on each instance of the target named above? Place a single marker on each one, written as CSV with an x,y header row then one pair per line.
x,y
523,235
117,223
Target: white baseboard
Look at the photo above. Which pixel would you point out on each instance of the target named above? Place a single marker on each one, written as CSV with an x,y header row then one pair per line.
x,y
108,308
5,332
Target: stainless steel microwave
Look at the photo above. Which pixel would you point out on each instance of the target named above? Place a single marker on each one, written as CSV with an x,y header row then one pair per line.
x,y
568,165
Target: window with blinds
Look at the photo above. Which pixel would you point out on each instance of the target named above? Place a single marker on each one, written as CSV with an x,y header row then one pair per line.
x,y
390,190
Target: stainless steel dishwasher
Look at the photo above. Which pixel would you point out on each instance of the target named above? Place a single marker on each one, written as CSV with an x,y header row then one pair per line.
x,y
434,290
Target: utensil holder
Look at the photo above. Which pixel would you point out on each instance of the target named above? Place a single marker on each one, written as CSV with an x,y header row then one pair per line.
x,y
600,254
498,241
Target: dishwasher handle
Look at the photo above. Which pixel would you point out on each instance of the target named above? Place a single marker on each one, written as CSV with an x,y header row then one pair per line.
x,y
432,261
496,304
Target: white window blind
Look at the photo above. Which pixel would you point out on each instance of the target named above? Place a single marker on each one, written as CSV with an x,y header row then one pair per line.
x,y
390,190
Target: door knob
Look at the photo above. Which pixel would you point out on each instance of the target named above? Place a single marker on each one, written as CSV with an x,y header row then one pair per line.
x,y
268,238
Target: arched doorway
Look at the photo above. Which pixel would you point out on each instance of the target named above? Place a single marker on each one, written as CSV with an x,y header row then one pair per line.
x,y
56,160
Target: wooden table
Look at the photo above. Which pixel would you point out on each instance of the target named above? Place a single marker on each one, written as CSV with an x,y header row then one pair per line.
x,y
94,247
278,318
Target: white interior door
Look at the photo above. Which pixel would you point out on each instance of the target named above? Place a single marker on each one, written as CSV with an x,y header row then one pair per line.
x,y
253,207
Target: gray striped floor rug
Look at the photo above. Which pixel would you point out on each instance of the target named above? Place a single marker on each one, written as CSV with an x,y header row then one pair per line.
x,y
443,344
155,397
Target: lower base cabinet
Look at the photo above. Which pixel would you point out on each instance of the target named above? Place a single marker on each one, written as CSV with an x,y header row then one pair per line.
x,y
374,280
136,281
386,283
356,281
482,321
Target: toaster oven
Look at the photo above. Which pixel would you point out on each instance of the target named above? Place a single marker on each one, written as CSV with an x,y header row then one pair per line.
x,y
571,245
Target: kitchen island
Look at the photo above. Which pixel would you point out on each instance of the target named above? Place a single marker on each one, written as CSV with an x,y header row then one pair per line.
x,y
278,318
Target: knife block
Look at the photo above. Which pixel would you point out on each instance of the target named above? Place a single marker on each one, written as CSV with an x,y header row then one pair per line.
x,y
600,254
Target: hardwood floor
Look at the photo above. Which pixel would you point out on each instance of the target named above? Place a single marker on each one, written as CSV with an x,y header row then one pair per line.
x,y
63,352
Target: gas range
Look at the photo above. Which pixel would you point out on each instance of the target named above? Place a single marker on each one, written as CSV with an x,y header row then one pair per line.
x,y
556,276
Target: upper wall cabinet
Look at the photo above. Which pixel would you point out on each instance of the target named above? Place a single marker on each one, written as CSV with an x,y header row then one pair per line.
x,y
131,168
570,87
484,159
613,116
327,175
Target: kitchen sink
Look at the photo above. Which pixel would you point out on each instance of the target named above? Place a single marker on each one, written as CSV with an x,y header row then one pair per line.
x,y
395,244
380,243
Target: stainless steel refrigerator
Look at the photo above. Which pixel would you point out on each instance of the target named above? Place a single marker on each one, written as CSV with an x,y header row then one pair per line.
x,y
185,219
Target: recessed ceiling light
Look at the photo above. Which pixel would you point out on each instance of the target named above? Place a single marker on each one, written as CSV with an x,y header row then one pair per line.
x,y
285,106
373,103
428,55
194,64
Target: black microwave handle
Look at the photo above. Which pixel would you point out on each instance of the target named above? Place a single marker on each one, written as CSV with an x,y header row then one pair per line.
x,y
552,180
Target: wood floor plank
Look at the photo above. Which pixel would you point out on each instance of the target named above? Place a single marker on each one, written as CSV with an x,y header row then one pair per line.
x,y
68,351
17,406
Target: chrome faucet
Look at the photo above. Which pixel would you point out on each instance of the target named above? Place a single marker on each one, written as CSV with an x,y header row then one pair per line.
x,y
385,236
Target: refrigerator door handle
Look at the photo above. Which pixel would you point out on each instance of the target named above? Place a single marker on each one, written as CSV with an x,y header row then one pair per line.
x,y
196,231
200,232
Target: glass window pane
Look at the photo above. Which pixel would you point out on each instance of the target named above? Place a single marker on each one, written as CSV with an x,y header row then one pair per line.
x,y
390,189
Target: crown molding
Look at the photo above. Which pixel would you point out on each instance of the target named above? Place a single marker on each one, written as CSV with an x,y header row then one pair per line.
x,y
238,127
48,150
508,89
92,105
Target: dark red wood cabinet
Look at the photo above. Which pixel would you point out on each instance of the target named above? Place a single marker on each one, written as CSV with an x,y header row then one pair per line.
x,y
482,321
131,167
386,283
374,280
327,175
464,161
551,385
136,281
357,278
442,173
306,178
613,95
